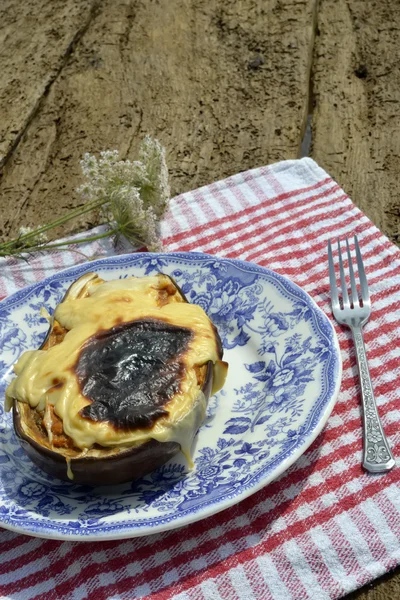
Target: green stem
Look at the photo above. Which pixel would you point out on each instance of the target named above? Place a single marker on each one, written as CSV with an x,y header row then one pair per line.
x,y
91,238
72,250
60,221
21,253
129,235
46,247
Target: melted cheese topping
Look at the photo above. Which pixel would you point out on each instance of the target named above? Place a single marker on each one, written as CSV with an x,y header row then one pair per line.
x,y
107,304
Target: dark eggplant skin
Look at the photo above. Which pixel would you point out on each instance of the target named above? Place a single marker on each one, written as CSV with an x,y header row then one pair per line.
x,y
112,469
109,470
120,468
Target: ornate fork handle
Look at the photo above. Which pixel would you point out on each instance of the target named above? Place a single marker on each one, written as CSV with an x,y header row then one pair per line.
x,y
377,456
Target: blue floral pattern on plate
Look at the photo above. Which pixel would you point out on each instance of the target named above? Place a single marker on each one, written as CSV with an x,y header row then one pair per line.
x,y
283,380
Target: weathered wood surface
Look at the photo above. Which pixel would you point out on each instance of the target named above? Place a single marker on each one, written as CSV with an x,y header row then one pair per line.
x,y
36,40
224,85
356,121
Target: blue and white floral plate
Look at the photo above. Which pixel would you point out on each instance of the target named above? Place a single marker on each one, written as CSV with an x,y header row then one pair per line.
x,y
284,376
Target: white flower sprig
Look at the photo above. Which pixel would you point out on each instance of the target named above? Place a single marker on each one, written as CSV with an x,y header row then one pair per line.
x,y
131,196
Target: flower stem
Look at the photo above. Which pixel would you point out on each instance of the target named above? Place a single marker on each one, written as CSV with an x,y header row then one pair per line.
x,y
77,212
58,245
91,238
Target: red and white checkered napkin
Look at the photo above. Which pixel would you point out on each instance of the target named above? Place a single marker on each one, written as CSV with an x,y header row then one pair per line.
x,y
324,527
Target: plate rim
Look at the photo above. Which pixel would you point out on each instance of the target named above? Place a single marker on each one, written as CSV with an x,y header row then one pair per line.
x,y
216,507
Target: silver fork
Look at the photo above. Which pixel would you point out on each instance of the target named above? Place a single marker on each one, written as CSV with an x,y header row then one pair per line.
x,y
377,456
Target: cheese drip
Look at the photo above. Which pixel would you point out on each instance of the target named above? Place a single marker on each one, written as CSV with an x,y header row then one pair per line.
x,y
107,304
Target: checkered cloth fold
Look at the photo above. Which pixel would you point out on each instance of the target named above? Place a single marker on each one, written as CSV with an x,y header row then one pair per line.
x,y
324,527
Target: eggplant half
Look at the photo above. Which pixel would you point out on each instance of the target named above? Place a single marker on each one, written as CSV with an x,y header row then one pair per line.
x,y
120,384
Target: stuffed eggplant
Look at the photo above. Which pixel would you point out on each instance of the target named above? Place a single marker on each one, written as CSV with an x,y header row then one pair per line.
x,y
120,384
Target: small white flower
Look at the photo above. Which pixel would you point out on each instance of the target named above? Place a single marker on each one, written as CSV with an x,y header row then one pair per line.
x,y
152,155
25,230
33,240
137,224
135,194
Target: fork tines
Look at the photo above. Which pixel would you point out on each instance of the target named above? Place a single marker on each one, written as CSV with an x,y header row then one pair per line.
x,y
349,301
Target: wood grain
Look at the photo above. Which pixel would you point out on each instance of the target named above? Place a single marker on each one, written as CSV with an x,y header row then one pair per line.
x,y
224,86
356,88
36,39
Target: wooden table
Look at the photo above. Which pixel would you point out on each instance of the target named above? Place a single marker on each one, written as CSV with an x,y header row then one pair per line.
x,y
226,85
